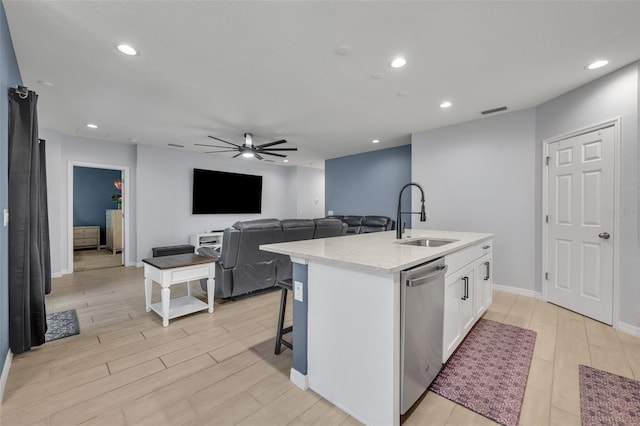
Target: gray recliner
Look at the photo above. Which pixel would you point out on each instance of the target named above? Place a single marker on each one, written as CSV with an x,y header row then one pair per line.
x,y
242,267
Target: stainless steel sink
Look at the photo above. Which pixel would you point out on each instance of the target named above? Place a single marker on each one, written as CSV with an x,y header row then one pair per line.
x,y
426,242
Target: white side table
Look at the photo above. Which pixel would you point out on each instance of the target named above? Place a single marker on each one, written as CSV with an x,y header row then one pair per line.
x,y
170,270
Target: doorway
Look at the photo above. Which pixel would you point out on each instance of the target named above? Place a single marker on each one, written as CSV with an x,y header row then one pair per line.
x,y
580,194
96,216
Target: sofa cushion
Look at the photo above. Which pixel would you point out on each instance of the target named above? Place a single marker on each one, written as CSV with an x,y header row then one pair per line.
x,y
375,224
329,227
297,229
353,224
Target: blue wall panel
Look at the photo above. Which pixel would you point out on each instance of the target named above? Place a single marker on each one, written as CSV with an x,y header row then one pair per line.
x,y
369,183
92,191
9,77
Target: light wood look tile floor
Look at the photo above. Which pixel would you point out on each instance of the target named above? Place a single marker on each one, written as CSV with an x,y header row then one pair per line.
x,y
124,368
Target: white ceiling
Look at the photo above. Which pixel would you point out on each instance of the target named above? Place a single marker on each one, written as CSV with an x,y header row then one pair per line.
x,y
270,68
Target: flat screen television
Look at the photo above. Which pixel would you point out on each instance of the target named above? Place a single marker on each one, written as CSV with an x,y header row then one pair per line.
x,y
216,192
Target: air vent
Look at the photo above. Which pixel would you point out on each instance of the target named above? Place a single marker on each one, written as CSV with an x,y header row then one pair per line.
x,y
176,145
491,111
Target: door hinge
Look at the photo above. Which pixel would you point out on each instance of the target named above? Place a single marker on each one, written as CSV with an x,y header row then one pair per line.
x,y
547,160
546,276
546,219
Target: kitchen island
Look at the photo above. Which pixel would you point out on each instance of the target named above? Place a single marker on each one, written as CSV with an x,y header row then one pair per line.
x,y
347,311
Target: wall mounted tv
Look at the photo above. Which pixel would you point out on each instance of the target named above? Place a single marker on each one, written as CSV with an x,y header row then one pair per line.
x,y
216,192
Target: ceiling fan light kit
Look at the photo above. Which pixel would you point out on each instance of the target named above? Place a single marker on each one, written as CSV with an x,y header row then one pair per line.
x,y
248,149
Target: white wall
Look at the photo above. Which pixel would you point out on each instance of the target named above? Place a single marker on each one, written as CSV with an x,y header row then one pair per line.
x,y
160,192
614,95
310,192
165,178
479,177
61,150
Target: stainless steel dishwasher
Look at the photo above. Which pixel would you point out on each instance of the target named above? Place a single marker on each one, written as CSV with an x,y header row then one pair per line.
x,y
422,310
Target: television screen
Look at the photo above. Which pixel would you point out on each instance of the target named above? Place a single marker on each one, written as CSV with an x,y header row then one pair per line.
x,y
216,192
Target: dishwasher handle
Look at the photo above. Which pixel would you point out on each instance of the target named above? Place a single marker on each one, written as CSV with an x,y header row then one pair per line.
x,y
424,279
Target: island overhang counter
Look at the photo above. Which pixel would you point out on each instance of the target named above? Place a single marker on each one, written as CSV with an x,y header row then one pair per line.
x,y
346,312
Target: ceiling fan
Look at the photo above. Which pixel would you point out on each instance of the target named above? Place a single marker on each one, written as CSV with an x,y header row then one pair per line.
x,y
248,149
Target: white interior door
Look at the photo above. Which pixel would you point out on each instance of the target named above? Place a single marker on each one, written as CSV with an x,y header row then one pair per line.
x,y
580,224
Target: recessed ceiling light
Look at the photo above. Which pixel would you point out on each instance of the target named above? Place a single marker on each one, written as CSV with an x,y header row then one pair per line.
x,y
375,141
398,62
445,104
597,64
126,49
92,126
285,160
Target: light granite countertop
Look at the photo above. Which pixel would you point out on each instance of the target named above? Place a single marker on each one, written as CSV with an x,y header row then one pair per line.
x,y
377,251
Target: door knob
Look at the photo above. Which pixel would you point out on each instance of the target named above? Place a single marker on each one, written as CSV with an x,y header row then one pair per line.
x,y
604,235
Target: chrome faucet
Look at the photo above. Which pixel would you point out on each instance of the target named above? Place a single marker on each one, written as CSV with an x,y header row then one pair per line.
x,y
422,213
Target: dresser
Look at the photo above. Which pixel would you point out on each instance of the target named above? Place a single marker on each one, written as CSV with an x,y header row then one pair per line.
x,y
86,236
114,230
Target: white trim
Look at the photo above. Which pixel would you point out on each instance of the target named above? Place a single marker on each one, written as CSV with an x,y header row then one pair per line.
x,y
616,123
56,274
629,329
5,374
517,290
126,256
299,379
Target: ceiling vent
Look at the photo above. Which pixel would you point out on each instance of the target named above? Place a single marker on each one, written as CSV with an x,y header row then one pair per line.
x,y
491,111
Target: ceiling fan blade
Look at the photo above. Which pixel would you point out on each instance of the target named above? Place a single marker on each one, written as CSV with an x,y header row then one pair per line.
x,y
264,145
279,149
222,140
210,146
237,155
224,150
255,154
270,153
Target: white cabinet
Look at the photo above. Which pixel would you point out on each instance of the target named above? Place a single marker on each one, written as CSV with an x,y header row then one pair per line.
x,y
467,294
207,239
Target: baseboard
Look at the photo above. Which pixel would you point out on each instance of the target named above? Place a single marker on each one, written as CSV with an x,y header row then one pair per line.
x,y
517,290
139,264
629,329
299,379
56,274
5,374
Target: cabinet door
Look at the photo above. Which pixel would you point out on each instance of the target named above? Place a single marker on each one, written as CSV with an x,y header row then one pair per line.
x,y
467,287
452,328
483,294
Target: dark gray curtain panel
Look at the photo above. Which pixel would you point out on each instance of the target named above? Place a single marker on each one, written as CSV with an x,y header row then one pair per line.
x,y
29,254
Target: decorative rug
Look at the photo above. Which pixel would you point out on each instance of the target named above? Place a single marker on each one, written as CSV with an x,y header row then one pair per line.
x,y
488,372
61,324
608,399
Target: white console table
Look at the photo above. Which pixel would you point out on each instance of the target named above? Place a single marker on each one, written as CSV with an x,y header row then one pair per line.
x,y
206,239
170,270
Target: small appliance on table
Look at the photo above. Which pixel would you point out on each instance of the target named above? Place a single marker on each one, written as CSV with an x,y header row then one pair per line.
x,y
170,270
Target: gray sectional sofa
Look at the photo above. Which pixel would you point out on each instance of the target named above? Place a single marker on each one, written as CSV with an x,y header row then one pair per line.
x,y
366,224
242,268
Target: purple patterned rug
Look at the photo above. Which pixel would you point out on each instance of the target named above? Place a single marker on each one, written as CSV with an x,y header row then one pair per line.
x,y
608,399
488,372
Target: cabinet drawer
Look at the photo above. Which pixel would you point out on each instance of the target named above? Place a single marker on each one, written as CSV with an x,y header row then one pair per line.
x,y
83,231
82,242
461,258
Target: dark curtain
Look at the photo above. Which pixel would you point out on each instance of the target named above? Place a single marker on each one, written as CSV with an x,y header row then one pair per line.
x,y
29,254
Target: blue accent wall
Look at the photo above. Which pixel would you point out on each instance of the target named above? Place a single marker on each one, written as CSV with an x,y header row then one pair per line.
x,y
9,77
369,183
92,191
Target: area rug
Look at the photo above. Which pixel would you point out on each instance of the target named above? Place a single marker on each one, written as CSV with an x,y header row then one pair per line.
x,y
488,372
608,399
61,324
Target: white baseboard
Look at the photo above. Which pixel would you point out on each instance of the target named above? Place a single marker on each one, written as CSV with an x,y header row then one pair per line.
x,y
629,329
139,264
517,290
56,274
299,379
5,374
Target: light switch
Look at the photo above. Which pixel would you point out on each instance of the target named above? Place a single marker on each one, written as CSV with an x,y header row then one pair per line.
x,y
297,291
6,217
330,213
